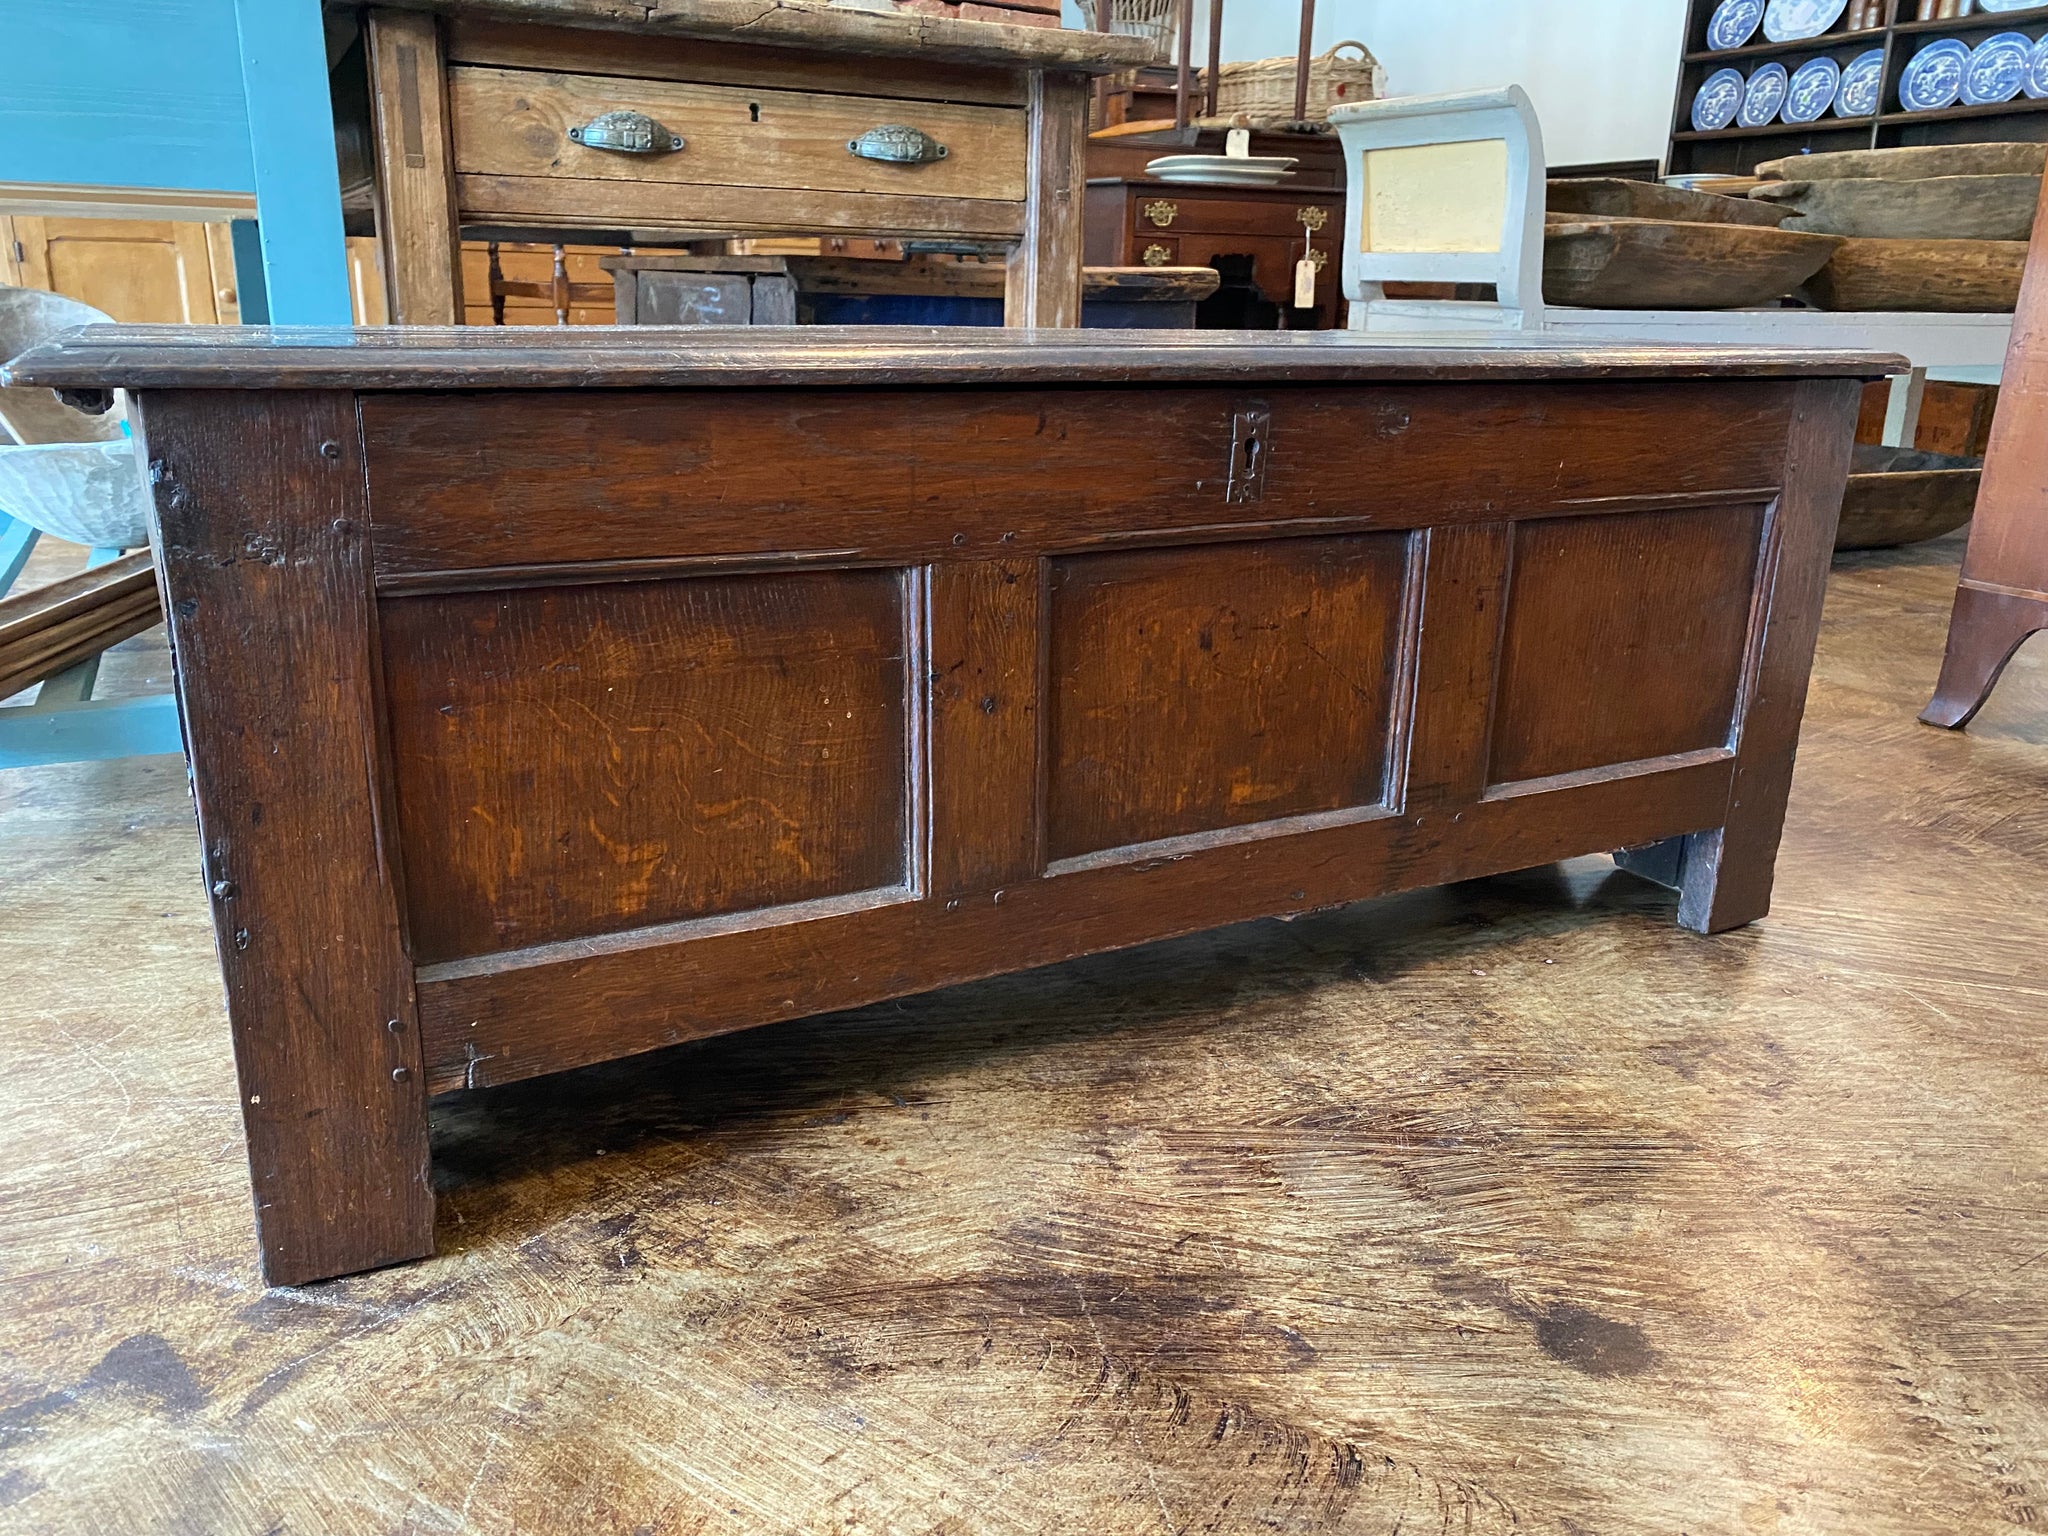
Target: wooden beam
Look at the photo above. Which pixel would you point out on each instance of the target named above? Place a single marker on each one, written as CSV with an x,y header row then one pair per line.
x,y
416,214
1044,283
57,626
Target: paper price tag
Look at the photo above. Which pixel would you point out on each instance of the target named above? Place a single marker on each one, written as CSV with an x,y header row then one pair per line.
x,y
1304,284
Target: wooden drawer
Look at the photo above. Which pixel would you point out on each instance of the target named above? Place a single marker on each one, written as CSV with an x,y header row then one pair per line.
x,y
1217,216
515,123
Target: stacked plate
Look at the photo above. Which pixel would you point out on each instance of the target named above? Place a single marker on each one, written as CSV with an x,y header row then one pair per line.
x,y
1805,95
1949,71
1222,170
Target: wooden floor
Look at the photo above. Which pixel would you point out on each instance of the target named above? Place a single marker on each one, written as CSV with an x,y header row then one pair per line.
x,y
1507,1208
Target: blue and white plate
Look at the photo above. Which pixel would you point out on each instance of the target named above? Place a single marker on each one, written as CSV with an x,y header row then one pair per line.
x,y
1934,78
1735,23
2000,7
2037,71
1998,69
1812,90
1717,101
1763,96
1862,85
1792,21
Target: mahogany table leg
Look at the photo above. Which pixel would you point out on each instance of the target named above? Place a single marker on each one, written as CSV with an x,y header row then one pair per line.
x,y
1983,633
264,556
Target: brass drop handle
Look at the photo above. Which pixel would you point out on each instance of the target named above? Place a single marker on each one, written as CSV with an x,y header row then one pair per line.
x,y
897,144
626,133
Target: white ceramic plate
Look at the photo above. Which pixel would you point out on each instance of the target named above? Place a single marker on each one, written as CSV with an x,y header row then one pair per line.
x,y
1792,21
1217,179
1862,85
1263,165
1934,78
1717,101
1735,23
1763,96
2000,7
1812,90
1998,69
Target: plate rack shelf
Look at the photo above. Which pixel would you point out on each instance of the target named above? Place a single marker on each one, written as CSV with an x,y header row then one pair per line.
x,y
1737,151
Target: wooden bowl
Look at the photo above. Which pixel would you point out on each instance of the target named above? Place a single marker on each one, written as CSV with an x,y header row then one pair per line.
x,y
1913,163
1604,197
1655,264
1951,277
1937,208
1901,496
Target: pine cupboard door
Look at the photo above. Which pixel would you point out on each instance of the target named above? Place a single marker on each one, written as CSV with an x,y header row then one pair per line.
x,y
141,271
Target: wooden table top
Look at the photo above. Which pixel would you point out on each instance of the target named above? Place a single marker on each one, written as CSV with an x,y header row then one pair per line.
x,y
809,24
460,357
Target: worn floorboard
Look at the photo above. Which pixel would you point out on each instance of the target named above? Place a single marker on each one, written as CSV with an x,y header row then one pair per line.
x,y
1508,1208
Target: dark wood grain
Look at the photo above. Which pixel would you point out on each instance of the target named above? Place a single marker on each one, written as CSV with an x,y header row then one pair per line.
x,y
577,760
987,634
1634,1223
261,532
463,482
1624,639
1728,870
548,1010
429,357
712,707
1197,689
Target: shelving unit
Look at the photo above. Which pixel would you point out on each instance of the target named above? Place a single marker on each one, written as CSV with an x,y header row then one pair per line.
x,y
1737,151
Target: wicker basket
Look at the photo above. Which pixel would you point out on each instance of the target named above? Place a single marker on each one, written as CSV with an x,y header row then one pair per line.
x,y
1136,18
1263,89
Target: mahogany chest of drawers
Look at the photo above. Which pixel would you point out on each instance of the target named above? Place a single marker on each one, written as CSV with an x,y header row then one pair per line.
x,y
551,703
1130,223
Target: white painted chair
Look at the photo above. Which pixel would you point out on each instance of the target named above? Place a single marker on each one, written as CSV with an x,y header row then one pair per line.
x,y
1451,189
1444,189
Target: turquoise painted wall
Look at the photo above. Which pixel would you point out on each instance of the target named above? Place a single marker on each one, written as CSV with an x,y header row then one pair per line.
x,y
207,95
138,93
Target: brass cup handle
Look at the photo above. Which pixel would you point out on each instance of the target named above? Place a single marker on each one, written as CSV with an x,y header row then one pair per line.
x,y
626,133
897,144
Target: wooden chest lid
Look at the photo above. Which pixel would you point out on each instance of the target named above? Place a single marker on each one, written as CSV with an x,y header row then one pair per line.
x,y
627,357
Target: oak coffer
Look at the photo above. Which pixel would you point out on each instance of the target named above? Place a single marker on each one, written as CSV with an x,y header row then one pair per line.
x,y
549,703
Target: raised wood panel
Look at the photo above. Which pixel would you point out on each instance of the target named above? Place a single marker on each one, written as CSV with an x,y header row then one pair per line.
x,y
1192,690
461,483
547,1011
1624,639
574,761
517,122
986,632
140,271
